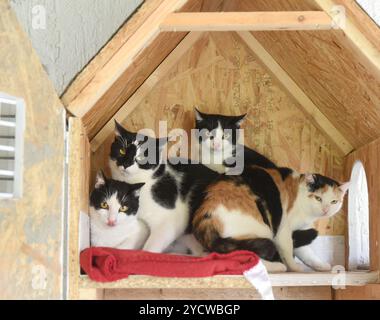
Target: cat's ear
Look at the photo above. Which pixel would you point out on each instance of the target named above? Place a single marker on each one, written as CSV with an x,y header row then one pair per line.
x,y
309,178
120,131
240,119
100,179
344,186
136,188
199,116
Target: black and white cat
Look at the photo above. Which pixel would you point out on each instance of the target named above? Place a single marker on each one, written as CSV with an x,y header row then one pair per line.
x,y
113,219
218,143
170,189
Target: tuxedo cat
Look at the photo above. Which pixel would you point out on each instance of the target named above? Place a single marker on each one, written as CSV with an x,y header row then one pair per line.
x,y
263,209
218,144
170,190
113,220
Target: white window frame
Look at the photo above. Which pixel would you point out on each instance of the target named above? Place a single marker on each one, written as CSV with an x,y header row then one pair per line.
x,y
18,149
358,220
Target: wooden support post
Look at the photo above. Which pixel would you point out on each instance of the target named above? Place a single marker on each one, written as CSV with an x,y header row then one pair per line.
x,y
247,21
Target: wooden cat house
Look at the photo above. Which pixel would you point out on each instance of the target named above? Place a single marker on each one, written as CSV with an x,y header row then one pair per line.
x,y
307,73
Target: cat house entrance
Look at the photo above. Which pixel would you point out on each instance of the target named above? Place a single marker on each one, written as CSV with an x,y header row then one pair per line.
x,y
358,220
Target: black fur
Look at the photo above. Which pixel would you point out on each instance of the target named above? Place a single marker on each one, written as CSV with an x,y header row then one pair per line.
x,y
264,248
124,141
304,237
320,182
262,185
165,191
209,122
125,194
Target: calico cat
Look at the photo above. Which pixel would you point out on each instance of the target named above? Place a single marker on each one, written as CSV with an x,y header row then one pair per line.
x,y
260,210
113,208
218,143
170,189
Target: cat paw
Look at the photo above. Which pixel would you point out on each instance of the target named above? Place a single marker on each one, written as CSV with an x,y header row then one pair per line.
x,y
323,266
277,267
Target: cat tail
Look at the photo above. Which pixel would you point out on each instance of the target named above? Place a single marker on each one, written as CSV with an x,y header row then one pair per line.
x,y
304,237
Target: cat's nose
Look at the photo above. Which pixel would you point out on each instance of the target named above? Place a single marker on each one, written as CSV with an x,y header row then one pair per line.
x,y
111,222
217,145
325,211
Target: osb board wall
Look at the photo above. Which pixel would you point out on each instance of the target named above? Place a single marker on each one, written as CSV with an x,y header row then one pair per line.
x,y
31,227
220,75
329,68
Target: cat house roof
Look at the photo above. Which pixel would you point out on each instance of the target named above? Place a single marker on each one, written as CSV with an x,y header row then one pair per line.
x,y
325,53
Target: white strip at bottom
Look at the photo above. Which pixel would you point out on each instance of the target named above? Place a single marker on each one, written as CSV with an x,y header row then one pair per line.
x,y
259,278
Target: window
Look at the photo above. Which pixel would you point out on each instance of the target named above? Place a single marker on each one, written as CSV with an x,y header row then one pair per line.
x,y
12,115
358,220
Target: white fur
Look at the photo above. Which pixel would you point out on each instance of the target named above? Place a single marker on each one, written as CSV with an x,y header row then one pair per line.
x,y
305,211
238,224
212,153
128,233
165,225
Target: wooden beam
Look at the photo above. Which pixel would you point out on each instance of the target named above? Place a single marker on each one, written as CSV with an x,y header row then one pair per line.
x,y
247,21
310,109
350,28
109,50
145,88
78,195
107,76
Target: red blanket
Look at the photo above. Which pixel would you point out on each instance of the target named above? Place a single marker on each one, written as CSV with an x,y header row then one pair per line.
x,y
107,264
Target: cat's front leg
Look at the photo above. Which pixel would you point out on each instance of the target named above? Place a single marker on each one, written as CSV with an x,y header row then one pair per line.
x,y
307,255
284,243
159,239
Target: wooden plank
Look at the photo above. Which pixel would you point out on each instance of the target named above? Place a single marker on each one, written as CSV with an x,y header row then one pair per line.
x,y
109,50
247,21
99,95
78,195
31,226
145,88
316,279
293,89
280,293
353,32
368,292
369,155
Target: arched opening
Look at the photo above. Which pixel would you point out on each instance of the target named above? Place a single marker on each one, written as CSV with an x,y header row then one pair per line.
x,y
358,220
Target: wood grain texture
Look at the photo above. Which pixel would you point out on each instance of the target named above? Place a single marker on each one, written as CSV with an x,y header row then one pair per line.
x,y
31,227
145,88
247,21
126,70
336,75
220,74
368,292
285,293
370,157
305,104
78,195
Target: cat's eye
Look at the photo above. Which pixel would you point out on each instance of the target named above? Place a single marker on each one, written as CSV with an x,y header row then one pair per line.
x,y
122,151
227,135
104,205
318,198
334,202
123,209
